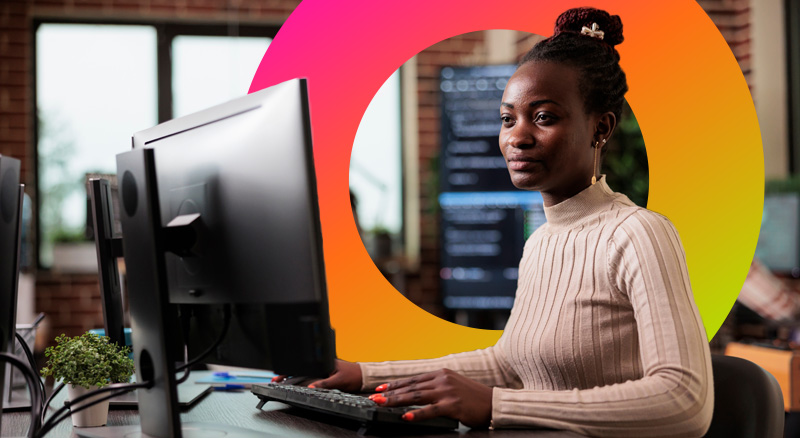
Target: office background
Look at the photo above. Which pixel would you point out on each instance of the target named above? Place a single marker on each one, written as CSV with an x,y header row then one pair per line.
x,y
758,33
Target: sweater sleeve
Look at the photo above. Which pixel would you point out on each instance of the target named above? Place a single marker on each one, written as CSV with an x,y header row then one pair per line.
x,y
674,397
487,366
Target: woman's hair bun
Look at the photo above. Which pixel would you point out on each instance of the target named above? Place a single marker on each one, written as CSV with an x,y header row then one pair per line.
x,y
573,20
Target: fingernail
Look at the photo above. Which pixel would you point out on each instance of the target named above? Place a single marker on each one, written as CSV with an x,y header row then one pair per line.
x,y
379,399
382,388
408,416
312,386
276,378
372,397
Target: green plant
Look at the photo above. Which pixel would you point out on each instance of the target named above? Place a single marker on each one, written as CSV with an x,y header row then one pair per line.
x,y
790,184
87,360
625,164
379,229
61,235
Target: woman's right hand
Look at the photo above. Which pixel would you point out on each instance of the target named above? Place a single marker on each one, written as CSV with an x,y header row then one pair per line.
x,y
346,377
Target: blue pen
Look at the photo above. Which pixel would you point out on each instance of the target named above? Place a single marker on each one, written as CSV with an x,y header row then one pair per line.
x,y
229,387
244,375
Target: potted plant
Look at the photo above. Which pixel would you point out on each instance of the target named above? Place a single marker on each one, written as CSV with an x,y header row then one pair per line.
x,y
85,363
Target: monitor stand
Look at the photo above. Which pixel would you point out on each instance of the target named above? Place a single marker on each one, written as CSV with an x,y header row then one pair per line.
x,y
189,393
145,242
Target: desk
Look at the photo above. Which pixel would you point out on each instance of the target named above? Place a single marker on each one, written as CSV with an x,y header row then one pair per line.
x,y
239,409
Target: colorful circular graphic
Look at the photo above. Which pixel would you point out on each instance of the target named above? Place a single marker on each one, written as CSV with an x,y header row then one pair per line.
x,y
688,93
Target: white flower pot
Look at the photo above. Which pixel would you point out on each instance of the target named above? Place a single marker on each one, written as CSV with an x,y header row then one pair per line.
x,y
96,415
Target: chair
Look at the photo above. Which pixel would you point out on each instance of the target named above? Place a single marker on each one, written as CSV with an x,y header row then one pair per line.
x,y
748,402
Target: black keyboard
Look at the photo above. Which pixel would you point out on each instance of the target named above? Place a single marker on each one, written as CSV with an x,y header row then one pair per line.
x,y
353,407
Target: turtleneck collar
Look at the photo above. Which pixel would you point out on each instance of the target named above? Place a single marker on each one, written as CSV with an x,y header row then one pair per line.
x,y
574,210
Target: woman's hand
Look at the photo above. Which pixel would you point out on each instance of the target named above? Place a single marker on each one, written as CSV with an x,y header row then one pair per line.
x,y
346,376
446,393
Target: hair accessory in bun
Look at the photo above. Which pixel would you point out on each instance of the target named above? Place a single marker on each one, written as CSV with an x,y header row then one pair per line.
x,y
594,32
579,21
579,43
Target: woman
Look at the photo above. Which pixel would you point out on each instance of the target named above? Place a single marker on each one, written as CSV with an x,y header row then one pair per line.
x,y
604,337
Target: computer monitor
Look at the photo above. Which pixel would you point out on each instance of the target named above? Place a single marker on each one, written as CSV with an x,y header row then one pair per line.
x,y
10,220
219,210
485,220
779,240
109,249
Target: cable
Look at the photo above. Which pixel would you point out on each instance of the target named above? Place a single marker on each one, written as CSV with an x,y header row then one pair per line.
x,y
226,325
33,390
185,328
46,404
64,412
185,360
31,360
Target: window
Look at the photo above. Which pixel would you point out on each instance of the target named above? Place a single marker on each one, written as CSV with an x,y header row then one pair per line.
x,y
95,85
209,70
376,164
98,83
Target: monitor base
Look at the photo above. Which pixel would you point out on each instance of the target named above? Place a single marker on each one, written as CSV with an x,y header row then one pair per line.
x,y
189,430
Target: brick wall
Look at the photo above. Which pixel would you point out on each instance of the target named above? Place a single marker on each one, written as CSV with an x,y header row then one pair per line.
x,y
71,302
732,18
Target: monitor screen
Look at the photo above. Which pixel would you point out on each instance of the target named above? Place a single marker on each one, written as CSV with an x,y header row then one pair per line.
x,y
779,240
485,219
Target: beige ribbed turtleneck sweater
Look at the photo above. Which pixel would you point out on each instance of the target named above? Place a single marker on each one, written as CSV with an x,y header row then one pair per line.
x,y
604,337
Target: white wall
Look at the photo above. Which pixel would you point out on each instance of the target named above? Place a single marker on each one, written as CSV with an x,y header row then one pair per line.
x,y
770,83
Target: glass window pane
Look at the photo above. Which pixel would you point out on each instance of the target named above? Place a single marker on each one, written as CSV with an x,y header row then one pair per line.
x,y
209,70
376,162
95,87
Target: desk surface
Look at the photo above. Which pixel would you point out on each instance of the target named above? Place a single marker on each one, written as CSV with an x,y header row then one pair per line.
x,y
239,409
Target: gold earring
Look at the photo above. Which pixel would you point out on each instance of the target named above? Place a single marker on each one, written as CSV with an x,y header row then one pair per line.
x,y
594,170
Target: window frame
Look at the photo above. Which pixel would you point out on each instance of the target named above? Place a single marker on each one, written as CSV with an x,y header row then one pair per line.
x,y
792,14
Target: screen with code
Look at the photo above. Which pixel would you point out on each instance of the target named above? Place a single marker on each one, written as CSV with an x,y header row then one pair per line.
x,y
485,219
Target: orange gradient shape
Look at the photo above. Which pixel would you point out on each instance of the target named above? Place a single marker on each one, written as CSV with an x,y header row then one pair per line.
x,y
688,93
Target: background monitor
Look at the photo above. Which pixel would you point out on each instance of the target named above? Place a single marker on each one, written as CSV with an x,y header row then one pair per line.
x,y
779,240
10,220
102,211
485,219
220,213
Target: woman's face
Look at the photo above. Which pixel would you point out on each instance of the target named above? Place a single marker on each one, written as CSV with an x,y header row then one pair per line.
x,y
546,135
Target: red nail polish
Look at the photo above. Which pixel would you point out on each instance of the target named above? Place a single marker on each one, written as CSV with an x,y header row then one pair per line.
x,y
275,379
312,386
408,416
379,399
382,388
